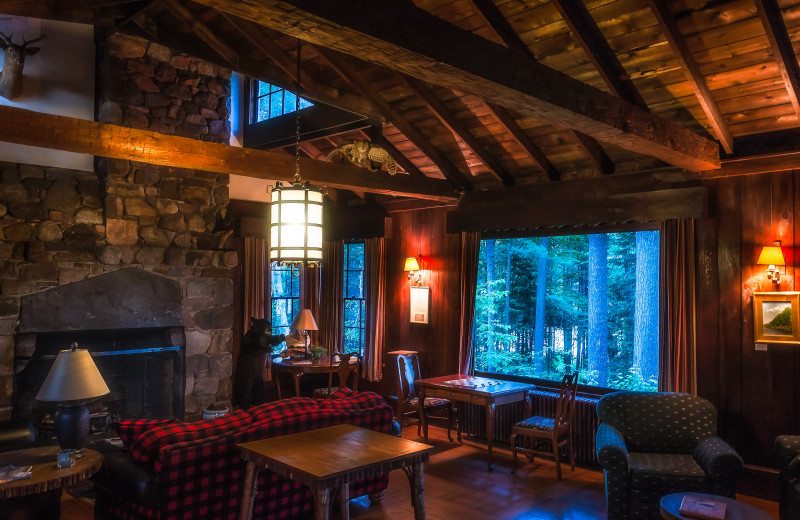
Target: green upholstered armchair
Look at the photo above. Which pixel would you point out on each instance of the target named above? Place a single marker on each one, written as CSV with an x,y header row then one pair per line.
x,y
787,450
651,444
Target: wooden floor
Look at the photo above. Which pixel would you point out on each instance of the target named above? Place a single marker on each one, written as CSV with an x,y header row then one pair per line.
x,y
457,486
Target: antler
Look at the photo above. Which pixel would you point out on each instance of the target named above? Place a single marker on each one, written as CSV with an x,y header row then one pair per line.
x,y
25,42
7,39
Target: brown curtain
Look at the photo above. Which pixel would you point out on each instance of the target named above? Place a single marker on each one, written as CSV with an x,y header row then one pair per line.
x,y
470,249
310,282
678,367
331,312
255,271
375,293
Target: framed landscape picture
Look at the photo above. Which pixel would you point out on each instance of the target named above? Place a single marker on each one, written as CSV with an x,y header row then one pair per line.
x,y
776,317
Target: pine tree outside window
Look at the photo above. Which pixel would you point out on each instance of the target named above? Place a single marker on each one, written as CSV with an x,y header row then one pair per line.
x,y
546,306
285,298
354,302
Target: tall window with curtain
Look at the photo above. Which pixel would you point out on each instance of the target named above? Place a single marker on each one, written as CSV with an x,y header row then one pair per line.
x,y
354,297
285,296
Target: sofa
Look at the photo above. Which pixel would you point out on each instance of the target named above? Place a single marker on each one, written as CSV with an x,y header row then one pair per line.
x,y
651,444
787,451
168,470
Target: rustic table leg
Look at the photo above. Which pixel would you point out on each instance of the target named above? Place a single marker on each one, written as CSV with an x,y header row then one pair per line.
x,y
344,500
423,421
249,496
276,376
417,490
297,376
490,407
322,508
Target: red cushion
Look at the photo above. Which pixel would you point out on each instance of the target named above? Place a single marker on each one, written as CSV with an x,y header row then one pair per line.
x,y
341,393
292,404
146,447
130,430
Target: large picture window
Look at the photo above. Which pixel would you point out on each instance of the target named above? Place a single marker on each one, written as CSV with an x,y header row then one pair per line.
x,y
550,305
354,306
285,297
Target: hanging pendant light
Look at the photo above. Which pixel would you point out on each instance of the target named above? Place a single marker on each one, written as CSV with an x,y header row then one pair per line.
x,y
296,213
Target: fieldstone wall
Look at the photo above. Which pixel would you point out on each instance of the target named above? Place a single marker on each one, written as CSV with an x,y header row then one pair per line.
x,y
61,226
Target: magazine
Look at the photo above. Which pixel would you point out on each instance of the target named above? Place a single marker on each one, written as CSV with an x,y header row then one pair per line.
x,y
12,473
702,508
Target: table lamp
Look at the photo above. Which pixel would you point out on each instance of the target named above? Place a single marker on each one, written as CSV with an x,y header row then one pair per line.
x,y
72,381
304,321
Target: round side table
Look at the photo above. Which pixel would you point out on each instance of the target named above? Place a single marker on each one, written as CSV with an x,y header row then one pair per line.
x,y
40,495
734,510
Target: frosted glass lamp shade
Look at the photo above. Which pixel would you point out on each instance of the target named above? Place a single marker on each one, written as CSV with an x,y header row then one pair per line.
x,y
771,255
304,321
296,225
73,377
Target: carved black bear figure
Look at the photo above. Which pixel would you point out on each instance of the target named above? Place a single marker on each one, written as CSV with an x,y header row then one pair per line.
x,y
254,362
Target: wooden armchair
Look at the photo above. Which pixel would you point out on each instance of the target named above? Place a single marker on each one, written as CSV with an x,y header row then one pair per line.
x,y
345,369
407,400
557,430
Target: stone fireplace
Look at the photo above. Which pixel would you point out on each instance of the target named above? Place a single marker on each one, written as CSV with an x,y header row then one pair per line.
x,y
132,323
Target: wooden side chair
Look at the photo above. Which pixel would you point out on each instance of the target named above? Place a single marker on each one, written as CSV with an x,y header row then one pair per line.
x,y
345,369
557,430
407,400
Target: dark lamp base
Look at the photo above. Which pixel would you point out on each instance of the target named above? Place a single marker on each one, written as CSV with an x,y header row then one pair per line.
x,y
72,426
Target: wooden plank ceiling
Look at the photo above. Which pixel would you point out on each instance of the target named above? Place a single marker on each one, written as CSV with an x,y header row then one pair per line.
x,y
724,70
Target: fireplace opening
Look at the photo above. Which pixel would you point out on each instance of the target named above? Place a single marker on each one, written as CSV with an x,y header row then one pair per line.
x,y
143,368
130,321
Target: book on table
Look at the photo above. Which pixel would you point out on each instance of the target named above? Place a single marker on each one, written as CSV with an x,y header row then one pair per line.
x,y
705,508
11,473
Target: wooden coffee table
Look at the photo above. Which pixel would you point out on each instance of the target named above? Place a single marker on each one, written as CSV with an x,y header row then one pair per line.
x,y
43,490
330,458
734,510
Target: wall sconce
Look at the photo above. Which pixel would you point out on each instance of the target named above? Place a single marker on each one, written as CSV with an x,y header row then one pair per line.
x,y
772,257
413,269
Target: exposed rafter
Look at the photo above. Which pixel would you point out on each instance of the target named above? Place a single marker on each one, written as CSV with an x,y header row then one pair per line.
x,y
203,31
393,115
693,74
434,51
586,32
499,24
459,130
80,136
771,18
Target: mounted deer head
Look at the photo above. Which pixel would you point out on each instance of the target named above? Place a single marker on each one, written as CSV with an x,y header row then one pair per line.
x,y
13,62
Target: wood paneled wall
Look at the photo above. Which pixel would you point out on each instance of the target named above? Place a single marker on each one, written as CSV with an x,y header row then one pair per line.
x,y
756,392
414,233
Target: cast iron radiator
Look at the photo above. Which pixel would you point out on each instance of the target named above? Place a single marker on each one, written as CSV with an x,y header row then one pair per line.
x,y
473,420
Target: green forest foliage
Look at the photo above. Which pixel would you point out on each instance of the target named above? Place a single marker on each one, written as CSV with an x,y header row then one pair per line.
x,y
782,322
507,340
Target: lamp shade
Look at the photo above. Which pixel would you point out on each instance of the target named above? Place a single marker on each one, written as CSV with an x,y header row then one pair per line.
x,y
771,255
411,264
296,225
73,377
304,321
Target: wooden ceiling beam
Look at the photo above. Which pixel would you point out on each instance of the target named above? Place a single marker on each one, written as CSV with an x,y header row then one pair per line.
x,y
435,52
586,32
766,163
693,74
80,136
445,115
203,32
771,18
502,28
393,115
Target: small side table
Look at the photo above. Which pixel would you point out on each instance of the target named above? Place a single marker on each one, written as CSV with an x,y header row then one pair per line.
x,y
330,458
40,495
734,510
